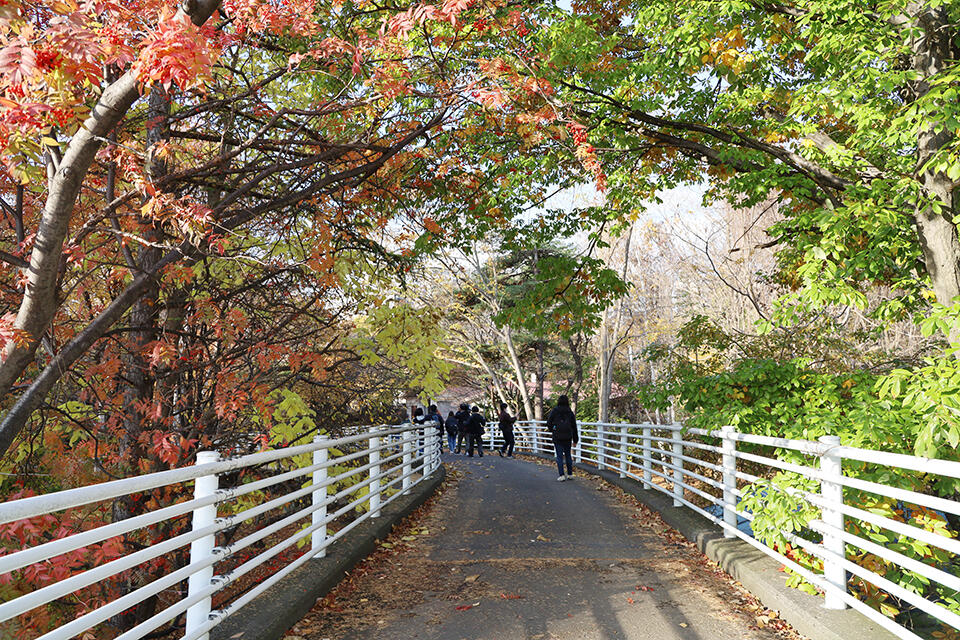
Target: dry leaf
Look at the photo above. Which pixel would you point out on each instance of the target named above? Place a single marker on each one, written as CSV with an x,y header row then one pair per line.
x,y
472,578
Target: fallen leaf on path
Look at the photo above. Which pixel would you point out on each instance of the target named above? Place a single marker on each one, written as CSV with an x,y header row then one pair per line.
x,y
472,578
542,539
510,596
683,624
643,587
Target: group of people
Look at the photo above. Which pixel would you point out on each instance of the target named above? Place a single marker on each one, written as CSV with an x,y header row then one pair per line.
x,y
465,430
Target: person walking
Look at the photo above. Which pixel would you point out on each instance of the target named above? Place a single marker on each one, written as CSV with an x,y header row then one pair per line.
x,y
450,424
433,416
418,416
419,419
562,425
475,430
506,428
463,426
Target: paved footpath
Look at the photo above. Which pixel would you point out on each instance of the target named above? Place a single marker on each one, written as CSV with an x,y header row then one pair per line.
x,y
508,553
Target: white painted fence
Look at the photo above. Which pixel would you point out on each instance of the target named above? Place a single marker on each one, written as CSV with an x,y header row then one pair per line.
x,y
382,457
388,461
661,458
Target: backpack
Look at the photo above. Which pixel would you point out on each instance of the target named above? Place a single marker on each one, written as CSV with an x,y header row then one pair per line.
x,y
563,426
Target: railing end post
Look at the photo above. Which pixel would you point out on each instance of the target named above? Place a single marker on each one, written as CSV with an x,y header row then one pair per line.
x,y
677,467
202,548
831,469
647,456
407,460
374,491
624,432
318,540
729,463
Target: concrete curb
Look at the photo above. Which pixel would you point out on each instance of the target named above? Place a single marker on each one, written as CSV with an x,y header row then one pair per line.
x,y
271,614
757,572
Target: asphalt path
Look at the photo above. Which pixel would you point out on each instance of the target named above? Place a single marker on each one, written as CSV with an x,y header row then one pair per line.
x,y
507,553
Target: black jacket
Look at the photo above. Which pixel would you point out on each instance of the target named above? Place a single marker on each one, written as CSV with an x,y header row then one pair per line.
x,y
477,423
506,422
562,424
463,421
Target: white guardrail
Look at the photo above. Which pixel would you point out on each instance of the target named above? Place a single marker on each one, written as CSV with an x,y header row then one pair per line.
x,y
386,461
661,457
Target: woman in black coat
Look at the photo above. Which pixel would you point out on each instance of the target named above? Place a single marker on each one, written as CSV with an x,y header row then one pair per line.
x,y
562,425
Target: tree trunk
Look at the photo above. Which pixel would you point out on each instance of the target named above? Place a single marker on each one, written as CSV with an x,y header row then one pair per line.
x,y
574,388
518,372
937,231
609,343
541,375
603,364
494,378
139,397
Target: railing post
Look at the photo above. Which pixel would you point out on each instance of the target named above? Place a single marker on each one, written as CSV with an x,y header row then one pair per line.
x,y
647,458
601,446
831,469
202,549
374,473
536,437
318,540
578,449
407,461
729,462
623,450
678,466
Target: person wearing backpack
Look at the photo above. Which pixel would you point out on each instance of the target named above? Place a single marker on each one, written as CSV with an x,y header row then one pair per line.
x,y
562,425
506,428
463,426
475,430
451,425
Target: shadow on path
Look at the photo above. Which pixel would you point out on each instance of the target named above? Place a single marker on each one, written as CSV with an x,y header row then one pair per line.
x,y
509,553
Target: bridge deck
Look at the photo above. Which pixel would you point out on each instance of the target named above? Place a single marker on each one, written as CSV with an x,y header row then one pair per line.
x,y
510,553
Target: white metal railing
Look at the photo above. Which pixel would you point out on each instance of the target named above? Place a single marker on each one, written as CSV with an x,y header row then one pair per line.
x,y
698,469
379,459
